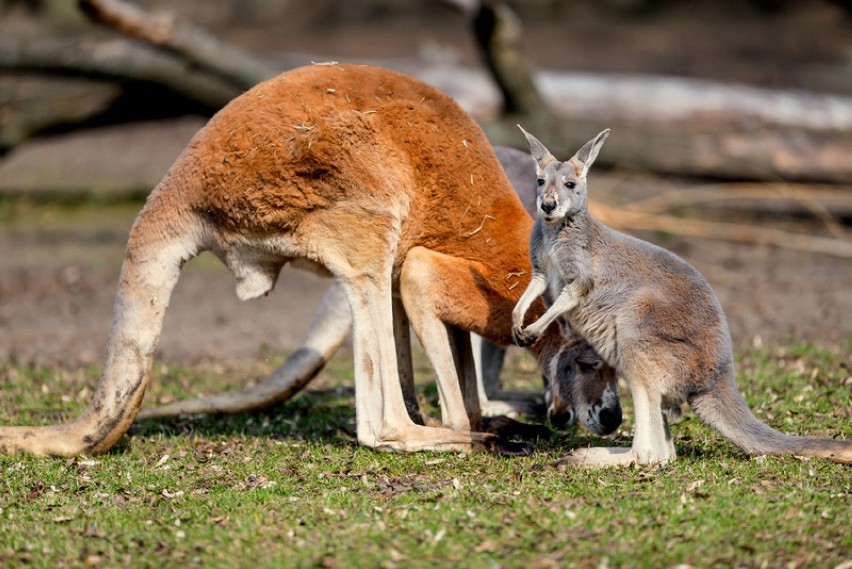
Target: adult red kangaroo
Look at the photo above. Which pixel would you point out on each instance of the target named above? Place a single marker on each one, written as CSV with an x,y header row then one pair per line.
x,y
358,172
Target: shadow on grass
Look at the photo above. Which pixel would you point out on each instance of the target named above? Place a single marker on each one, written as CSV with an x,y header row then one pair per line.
x,y
320,416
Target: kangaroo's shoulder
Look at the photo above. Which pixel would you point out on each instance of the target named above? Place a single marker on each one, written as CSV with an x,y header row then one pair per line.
x,y
650,267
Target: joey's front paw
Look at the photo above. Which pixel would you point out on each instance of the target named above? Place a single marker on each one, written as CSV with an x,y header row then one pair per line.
x,y
517,335
523,337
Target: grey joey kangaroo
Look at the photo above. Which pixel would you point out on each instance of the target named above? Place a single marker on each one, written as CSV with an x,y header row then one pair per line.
x,y
648,313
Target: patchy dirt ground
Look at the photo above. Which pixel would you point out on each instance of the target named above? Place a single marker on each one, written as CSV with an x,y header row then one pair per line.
x,y
59,263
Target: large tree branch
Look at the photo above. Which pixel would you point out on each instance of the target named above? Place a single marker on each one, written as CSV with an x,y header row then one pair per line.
x,y
190,43
115,60
499,34
664,124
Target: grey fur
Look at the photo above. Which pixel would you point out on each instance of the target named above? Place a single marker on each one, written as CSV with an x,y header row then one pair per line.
x,y
649,314
576,382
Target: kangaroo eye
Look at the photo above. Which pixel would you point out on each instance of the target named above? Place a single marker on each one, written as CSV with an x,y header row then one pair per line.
x,y
570,185
540,181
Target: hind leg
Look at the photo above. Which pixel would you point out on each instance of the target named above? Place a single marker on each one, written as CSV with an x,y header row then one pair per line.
x,y
447,347
402,338
434,285
381,417
425,280
493,400
652,440
382,420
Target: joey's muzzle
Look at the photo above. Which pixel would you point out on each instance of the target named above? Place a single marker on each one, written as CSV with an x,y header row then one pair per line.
x,y
548,206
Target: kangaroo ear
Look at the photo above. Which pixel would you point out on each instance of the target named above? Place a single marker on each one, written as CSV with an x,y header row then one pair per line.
x,y
589,362
541,154
587,154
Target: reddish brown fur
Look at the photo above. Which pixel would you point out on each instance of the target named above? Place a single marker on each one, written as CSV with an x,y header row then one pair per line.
x,y
352,169
270,160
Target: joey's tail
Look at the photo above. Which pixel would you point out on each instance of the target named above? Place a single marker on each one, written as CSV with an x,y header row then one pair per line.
x,y
160,242
724,409
329,329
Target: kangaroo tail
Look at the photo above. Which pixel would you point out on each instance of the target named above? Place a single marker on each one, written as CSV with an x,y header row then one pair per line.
x,y
330,327
160,242
723,408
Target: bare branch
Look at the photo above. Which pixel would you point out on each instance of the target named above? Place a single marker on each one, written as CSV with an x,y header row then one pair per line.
x,y
117,60
182,39
499,35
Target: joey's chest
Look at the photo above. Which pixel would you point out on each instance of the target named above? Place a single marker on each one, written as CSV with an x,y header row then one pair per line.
x,y
561,260
553,273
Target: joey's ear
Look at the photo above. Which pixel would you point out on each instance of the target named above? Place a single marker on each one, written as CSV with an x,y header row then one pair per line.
x,y
587,154
541,154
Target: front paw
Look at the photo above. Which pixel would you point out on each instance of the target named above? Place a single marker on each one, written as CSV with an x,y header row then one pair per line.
x,y
522,337
517,335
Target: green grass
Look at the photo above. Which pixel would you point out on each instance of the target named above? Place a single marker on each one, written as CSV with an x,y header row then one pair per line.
x,y
290,488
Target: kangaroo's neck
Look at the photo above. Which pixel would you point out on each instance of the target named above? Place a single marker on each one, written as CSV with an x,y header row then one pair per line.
x,y
580,230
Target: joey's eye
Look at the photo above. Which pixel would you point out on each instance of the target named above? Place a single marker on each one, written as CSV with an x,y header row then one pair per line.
x,y
570,185
540,181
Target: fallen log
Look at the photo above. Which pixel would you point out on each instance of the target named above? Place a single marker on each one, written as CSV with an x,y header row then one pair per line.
x,y
736,150
115,60
182,39
689,126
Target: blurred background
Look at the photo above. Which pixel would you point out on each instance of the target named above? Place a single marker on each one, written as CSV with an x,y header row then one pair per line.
x,y
731,142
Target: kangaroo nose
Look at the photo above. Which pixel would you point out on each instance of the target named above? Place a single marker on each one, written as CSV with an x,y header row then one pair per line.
x,y
548,207
609,419
560,417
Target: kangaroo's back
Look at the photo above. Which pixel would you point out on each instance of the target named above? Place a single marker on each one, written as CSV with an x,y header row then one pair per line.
x,y
657,285
367,139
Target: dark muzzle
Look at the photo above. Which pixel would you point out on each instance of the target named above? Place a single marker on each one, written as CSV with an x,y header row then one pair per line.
x,y
548,206
561,416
